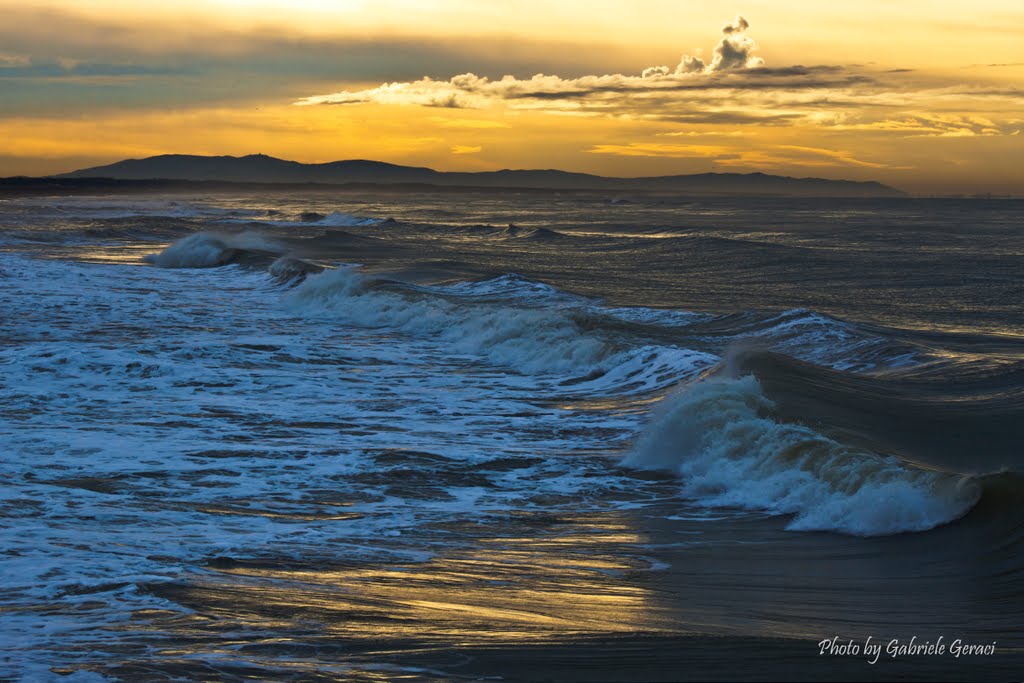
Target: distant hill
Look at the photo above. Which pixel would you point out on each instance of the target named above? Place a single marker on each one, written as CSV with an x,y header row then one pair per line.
x,y
259,168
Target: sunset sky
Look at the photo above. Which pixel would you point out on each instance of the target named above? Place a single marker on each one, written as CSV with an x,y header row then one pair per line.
x,y
926,96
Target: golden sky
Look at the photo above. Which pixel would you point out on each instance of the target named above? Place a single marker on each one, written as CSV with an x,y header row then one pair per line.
x,y
926,96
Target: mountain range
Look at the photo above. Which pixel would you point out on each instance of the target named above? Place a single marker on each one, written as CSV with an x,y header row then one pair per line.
x,y
259,168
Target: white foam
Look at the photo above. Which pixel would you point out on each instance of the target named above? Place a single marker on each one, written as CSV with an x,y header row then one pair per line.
x,y
657,316
136,403
717,435
341,219
514,287
530,339
210,249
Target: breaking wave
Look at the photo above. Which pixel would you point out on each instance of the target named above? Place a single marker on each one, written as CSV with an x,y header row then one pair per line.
x,y
531,339
719,436
211,249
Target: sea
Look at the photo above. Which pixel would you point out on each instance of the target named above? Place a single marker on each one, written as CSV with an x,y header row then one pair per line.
x,y
376,435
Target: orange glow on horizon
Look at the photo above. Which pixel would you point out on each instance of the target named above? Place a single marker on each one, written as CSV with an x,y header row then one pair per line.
x,y
935,107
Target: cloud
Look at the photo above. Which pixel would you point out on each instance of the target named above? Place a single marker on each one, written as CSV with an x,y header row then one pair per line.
x,y
935,125
774,156
1000,65
735,50
734,87
732,57
655,71
761,95
810,156
656,149
467,149
739,25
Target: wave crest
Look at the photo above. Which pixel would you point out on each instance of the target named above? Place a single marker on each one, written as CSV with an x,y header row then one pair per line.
x,y
211,249
718,435
520,337
546,340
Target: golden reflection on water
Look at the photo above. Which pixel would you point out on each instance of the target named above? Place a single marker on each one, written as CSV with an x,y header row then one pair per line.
x,y
120,254
511,588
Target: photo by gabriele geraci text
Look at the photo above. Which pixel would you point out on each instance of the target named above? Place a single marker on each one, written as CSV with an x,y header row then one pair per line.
x,y
875,649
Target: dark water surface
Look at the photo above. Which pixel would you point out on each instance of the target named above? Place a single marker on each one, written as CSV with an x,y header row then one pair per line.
x,y
529,436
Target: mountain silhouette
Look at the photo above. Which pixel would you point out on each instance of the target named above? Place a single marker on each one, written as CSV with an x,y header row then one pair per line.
x,y
259,168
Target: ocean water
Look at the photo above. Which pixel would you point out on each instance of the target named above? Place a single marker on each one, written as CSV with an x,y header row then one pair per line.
x,y
409,435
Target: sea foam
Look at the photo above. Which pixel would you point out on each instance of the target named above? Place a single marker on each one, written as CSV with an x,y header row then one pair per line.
x,y
550,339
718,435
211,249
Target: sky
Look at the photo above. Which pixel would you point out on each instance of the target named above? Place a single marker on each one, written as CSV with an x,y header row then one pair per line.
x,y
927,96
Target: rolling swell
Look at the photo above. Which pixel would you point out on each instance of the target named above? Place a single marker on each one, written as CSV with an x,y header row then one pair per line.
x,y
516,232
510,231
805,334
720,436
998,512
866,454
966,418
810,336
